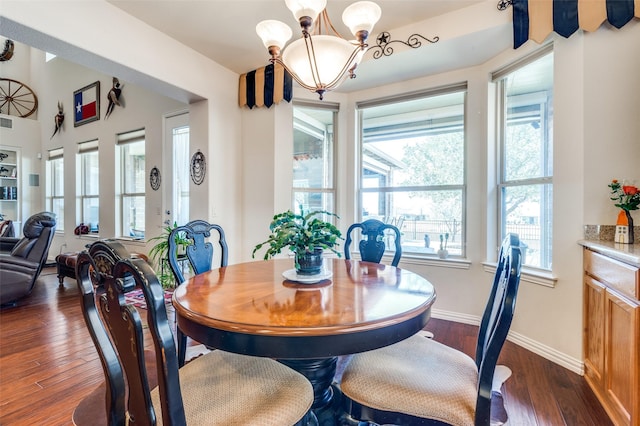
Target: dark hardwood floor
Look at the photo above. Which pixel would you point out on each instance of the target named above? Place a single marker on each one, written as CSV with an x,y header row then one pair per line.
x,y
48,364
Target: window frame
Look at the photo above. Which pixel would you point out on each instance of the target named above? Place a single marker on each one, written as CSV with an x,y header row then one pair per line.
x,y
326,190
462,88
545,180
124,141
55,161
85,149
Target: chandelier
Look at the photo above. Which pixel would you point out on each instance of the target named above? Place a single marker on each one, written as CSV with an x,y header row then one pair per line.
x,y
321,59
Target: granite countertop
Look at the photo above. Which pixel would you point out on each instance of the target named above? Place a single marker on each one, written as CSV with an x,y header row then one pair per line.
x,y
627,253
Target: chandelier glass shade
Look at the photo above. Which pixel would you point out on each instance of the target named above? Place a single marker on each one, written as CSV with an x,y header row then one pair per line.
x,y
319,61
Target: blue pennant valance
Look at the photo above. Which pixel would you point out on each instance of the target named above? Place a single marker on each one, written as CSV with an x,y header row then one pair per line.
x,y
265,87
536,19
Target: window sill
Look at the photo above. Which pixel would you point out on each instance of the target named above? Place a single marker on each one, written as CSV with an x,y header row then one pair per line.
x,y
530,275
456,263
88,236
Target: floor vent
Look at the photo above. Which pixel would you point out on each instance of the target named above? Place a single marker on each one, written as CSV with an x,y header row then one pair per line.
x,y
5,122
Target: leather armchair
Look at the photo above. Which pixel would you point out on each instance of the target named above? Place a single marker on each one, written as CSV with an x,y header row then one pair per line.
x,y
21,260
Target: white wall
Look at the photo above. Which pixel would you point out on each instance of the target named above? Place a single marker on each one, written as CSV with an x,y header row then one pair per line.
x,y
141,109
138,54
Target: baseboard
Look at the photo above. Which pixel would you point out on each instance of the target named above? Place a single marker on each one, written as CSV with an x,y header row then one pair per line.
x,y
455,317
547,352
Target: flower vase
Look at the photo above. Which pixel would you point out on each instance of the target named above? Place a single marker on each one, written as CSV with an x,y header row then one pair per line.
x,y
630,224
624,228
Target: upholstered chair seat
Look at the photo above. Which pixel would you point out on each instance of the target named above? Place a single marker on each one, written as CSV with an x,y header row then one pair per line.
x,y
221,388
417,376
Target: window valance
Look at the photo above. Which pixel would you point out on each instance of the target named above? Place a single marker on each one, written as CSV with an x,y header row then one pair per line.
x,y
536,19
265,86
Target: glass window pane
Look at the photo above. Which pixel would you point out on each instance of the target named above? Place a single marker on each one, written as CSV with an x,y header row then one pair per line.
x,y
528,136
312,201
57,207
313,153
416,143
91,173
181,175
527,212
421,216
312,148
134,168
90,213
133,213
57,177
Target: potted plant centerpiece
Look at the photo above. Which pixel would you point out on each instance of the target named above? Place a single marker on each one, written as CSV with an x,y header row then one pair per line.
x,y
306,235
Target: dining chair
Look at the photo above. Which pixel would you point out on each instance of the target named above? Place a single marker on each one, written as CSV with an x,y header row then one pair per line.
x,y
372,248
218,388
421,381
199,252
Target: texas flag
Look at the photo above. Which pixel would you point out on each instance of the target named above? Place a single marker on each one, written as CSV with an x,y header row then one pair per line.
x,y
85,103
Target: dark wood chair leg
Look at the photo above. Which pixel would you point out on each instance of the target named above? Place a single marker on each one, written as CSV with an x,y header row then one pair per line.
x,y
182,346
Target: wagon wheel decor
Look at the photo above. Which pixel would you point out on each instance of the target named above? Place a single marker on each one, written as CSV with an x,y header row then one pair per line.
x,y
17,98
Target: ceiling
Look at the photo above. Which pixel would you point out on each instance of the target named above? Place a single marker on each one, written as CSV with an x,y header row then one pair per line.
x,y
224,30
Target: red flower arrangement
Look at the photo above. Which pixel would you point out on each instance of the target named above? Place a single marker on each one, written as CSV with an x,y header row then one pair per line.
x,y
627,197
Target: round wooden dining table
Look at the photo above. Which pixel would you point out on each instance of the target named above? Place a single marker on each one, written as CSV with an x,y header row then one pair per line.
x,y
252,309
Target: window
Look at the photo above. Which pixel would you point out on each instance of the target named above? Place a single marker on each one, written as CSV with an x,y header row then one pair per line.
x,y
313,157
412,174
525,187
181,176
54,190
132,183
89,185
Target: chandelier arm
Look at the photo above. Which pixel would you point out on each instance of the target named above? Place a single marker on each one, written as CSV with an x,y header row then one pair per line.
x,y
293,75
311,54
329,24
345,68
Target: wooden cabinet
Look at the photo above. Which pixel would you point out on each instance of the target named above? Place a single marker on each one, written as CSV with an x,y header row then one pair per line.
x,y
9,184
612,335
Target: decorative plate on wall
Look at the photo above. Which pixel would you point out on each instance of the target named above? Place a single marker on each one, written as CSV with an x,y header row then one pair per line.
x,y
155,179
198,168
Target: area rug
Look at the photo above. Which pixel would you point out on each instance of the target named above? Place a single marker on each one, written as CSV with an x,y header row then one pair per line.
x,y
136,298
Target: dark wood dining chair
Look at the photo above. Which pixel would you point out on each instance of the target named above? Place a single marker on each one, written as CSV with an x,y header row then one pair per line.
x,y
218,388
420,381
199,253
373,244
